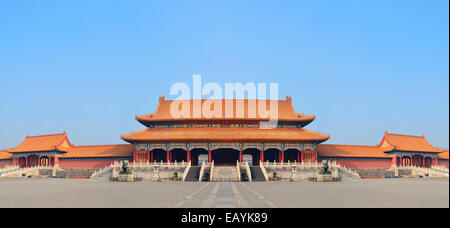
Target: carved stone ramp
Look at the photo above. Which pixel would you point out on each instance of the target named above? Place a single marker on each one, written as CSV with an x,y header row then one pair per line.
x,y
225,174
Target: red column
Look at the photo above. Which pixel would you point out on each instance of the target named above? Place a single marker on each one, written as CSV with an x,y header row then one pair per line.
x,y
423,161
39,160
240,155
26,161
188,155
168,155
148,155
282,155
55,160
152,158
209,155
262,155
437,161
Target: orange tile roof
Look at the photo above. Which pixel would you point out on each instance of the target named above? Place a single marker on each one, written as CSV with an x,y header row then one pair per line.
x,y
225,135
407,143
333,150
42,143
286,111
121,150
5,155
443,154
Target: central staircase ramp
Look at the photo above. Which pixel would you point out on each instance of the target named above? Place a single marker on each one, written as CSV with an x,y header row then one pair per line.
x,y
193,174
225,174
257,173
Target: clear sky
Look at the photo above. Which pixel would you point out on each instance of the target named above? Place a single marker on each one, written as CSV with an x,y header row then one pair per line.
x,y
88,67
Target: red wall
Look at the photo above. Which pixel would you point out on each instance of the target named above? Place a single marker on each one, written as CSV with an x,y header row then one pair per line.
x,y
5,163
86,163
364,163
443,163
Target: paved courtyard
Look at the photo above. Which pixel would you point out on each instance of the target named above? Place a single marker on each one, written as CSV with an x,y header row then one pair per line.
x,y
89,193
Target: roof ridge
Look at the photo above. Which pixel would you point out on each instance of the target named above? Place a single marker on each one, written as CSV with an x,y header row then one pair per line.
x,y
416,136
37,136
224,99
123,144
347,145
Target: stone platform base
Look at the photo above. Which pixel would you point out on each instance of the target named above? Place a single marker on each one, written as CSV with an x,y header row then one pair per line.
x,y
326,178
124,178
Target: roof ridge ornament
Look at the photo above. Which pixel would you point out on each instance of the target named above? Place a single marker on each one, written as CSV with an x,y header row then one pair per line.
x,y
162,98
289,99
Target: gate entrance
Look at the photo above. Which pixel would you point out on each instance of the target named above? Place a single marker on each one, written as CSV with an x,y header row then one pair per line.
x,y
225,157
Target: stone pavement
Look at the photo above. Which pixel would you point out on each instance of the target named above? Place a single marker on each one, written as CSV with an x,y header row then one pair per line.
x,y
90,193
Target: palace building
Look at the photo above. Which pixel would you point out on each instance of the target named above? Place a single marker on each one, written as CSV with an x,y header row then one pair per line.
x,y
234,136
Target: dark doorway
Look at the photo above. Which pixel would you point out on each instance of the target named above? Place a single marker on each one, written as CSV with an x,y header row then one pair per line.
x,y
22,162
272,155
292,155
197,154
45,161
225,156
33,160
178,155
159,155
255,153
428,162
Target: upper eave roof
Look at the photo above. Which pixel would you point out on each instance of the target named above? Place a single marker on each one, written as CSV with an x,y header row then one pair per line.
x,y
286,111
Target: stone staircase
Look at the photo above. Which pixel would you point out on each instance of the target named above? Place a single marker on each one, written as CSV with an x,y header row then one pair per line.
x,y
193,174
225,174
257,173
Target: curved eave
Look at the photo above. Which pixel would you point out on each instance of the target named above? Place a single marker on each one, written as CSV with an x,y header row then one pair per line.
x,y
147,121
410,151
225,135
54,149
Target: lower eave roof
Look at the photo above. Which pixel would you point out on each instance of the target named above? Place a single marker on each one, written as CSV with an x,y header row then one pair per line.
x,y
5,155
443,154
121,150
225,135
333,150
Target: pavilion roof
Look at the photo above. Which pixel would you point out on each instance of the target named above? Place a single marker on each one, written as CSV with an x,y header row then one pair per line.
x,y
286,111
225,135
5,155
399,142
55,142
120,150
333,150
443,154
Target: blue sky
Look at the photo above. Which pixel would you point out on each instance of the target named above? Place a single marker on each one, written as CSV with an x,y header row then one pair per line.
x,y
88,67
